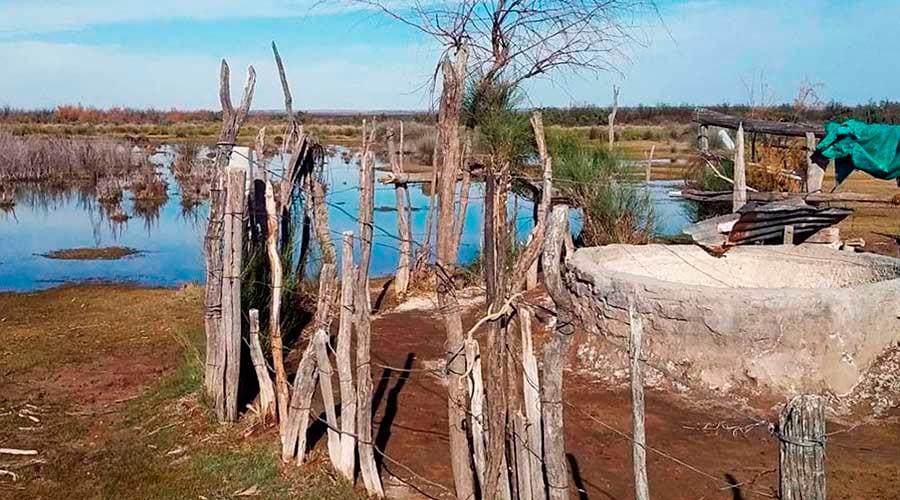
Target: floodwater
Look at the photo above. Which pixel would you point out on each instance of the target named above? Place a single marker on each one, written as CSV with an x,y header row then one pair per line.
x,y
169,237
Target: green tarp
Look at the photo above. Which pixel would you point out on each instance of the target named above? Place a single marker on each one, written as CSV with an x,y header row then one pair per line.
x,y
854,145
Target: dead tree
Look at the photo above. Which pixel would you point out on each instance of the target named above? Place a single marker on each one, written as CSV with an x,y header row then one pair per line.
x,y
294,130
232,119
363,312
612,116
454,72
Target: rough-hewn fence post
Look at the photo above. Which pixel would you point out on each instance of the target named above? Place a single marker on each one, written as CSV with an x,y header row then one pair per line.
x,y
739,198
218,343
814,173
801,457
639,452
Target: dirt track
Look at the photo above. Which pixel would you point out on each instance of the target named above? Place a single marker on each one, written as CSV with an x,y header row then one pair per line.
x,y
120,341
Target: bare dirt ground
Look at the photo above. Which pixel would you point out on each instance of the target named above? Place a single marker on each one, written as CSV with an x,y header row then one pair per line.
x,y
110,375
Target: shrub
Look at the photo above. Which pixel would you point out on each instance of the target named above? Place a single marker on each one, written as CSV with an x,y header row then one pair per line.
x,y
613,209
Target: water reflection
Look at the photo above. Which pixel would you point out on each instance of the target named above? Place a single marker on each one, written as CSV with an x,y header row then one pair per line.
x,y
161,211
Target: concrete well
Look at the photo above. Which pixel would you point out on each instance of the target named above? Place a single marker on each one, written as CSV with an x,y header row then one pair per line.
x,y
773,320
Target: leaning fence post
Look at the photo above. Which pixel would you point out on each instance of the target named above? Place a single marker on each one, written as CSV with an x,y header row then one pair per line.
x,y
334,438
266,389
639,452
740,173
801,457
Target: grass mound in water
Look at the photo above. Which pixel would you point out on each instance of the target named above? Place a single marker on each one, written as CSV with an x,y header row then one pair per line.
x,y
101,253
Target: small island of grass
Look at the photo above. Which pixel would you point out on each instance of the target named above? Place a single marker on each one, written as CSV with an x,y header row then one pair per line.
x,y
101,253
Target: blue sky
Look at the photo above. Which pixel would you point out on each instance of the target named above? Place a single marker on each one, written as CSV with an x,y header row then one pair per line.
x,y
165,53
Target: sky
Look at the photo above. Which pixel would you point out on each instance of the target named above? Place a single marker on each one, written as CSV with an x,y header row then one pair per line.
x,y
166,54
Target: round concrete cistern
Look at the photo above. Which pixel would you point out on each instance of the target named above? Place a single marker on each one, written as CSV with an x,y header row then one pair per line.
x,y
769,319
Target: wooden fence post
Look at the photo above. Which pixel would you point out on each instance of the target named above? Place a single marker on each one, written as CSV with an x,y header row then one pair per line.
x,y
276,278
476,402
649,166
266,390
401,278
555,353
532,392
363,312
347,460
324,364
612,116
639,452
814,173
232,119
739,198
294,439
703,138
235,201
789,234
801,457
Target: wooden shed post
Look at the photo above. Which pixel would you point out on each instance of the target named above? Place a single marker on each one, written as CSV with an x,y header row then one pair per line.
x,y
703,138
739,198
801,457
814,173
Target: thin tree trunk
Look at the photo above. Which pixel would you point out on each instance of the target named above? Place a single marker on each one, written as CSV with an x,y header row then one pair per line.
x,y
363,327
448,130
276,276
345,373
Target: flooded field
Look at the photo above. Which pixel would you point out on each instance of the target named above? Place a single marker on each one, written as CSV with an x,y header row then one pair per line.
x,y
168,235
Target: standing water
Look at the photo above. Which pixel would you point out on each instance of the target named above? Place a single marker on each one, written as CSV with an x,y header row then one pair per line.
x,y
168,237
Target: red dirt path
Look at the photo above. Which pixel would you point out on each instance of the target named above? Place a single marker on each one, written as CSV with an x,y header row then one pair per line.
x,y
862,463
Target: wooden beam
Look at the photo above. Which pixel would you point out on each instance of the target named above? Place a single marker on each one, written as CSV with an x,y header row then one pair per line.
x,y
811,198
708,117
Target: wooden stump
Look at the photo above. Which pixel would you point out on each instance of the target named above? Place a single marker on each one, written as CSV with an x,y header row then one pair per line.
x,y
801,457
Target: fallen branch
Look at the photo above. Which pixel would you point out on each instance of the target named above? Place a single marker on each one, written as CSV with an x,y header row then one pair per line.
x,y
16,451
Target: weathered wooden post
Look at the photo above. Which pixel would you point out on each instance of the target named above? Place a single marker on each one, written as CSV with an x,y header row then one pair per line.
x,y
612,116
230,349
555,352
814,173
276,282
347,461
789,234
639,452
320,339
363,311
740,174
401,277
266,390
802,449
649,166
532,398
476,403
293,441
232,119
703,138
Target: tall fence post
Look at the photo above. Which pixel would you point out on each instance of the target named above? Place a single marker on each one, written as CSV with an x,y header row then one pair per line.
x,y
347,460
639,452
532,397
739,199
235,179
801,458
555,353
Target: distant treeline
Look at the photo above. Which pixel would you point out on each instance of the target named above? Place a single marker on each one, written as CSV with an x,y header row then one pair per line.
x,y
882,112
